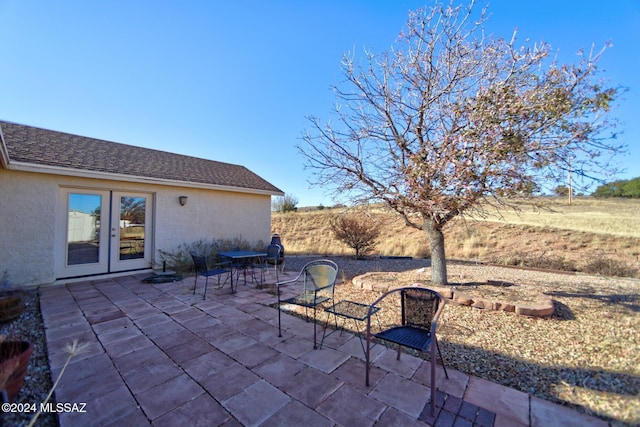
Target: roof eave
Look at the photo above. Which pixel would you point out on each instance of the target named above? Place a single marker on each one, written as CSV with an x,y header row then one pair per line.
x,y
57,170
4,153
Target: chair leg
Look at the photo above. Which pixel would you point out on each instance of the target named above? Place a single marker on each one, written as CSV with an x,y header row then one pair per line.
x,y
195,284
221,285
315,345
433,381
442,360
399,351
366,358
324,333
206,283
433,373
279,324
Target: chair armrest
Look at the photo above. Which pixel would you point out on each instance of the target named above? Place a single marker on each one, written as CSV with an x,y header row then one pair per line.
x,y
436,316
289,281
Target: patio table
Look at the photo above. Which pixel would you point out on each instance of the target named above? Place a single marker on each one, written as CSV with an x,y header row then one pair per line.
x,y
355,311
240,260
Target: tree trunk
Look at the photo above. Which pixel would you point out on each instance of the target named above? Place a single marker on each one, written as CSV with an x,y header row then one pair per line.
x,y
438,260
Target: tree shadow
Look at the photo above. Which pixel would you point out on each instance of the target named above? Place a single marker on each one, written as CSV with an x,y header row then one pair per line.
x,y
491,283
629,301
562,311
508,371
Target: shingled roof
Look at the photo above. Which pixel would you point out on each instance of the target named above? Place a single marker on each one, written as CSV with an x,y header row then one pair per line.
x,y
58,151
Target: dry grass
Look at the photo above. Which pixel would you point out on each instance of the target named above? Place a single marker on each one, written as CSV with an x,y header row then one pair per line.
x,y
562,236
615,217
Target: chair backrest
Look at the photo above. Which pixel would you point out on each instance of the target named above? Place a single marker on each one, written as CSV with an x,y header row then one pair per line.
x,y
419,306
199,262
273,251
320,275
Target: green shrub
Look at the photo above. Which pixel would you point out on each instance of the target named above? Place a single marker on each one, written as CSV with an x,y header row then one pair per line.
x,y
621,188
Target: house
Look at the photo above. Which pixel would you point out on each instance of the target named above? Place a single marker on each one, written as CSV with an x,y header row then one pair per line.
x,y
73,206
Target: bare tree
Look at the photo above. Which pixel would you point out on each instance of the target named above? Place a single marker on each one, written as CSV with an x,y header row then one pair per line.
x,y
451,117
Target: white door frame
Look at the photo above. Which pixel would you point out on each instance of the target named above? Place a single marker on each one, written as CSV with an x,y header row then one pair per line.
x,y
117,261
108,258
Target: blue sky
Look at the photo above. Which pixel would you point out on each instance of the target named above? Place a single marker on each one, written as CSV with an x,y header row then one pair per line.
x,y
234,80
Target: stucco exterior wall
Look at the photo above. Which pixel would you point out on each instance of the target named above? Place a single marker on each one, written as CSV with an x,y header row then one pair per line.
x,y
29,238
27,232
211,215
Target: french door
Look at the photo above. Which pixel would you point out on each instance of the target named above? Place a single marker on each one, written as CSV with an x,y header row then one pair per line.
x,y
103,232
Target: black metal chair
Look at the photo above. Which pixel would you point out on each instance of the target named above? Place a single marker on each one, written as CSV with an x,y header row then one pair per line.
x,y
202,269
410,316
318,284
273,258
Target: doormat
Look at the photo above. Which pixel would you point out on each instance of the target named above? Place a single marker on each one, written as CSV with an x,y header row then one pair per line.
x,y
163,278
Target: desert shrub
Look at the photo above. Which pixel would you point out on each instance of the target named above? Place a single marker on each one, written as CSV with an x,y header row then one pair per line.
x,y
599,264
473,246
179,258
539,260
358,231
608,267
423,251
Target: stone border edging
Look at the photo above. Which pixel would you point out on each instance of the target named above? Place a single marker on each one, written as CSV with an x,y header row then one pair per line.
x,y
544,307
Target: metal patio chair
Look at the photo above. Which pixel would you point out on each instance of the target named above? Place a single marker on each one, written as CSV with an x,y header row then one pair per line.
x,y
317,286
273,258
202,269
410,316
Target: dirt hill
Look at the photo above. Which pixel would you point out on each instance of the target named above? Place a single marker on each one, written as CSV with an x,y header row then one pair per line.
x,y
590,235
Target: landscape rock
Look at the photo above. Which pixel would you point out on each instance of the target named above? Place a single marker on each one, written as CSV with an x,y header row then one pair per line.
x,y
482,303
462,298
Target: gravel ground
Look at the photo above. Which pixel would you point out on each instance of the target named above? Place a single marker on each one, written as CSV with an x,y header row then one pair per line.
x,y
586,356
37,382
349,267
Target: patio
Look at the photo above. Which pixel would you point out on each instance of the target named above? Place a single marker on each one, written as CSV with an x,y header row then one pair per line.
x,y
159,355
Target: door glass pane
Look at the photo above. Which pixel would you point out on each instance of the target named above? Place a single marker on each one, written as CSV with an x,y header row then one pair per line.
x,y
83,236
132,214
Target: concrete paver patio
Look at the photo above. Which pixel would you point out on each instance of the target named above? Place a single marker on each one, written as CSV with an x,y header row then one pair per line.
x,y
159,355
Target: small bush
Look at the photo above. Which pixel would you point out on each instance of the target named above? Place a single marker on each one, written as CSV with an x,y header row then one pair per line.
x,y
608,267
543,261
179,258
358,231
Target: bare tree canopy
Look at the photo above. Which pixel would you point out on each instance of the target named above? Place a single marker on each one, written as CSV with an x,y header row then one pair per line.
x,y
450,116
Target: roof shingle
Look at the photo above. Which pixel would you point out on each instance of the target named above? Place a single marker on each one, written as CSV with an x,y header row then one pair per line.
x,y
38,146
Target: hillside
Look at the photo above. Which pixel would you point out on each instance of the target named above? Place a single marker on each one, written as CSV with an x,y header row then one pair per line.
x,y
591,235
